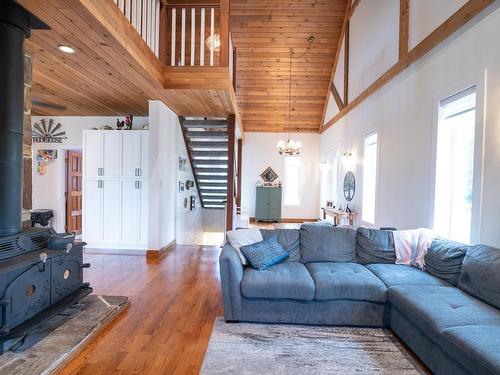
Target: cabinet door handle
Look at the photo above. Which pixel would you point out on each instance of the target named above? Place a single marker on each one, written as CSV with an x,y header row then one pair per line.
x,y
139,184
138,172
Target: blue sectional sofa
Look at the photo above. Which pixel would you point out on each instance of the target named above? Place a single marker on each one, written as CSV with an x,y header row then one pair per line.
x,y
449,315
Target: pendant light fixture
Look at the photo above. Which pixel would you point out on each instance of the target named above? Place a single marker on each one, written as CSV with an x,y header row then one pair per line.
x,y
291,147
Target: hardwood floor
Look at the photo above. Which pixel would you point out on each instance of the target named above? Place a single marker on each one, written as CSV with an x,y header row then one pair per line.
x,y
174,302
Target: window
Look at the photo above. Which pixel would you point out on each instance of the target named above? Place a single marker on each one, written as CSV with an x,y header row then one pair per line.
x,y
292,181
455,166
370,177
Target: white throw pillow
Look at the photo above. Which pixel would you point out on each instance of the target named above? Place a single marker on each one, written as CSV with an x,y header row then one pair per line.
x,y
242,237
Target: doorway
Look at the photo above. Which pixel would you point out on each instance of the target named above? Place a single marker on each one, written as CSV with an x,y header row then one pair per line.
x,y
74,191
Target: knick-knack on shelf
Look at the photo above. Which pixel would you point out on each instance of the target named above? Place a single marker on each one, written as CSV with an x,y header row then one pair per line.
x,y
119,124
128,121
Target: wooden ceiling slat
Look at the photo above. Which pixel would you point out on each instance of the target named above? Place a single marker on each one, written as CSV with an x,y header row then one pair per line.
x,y
263,31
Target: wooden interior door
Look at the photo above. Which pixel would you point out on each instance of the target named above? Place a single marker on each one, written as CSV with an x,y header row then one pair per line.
x,y
74,192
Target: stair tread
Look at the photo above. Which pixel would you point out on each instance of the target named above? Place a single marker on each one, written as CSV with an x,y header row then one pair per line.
x,y
207,134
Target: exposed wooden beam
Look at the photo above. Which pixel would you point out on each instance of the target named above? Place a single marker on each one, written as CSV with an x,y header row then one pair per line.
x,y
231,127
336,61
346,64
239,173
224,33
447,28
404,27
352,8
337,97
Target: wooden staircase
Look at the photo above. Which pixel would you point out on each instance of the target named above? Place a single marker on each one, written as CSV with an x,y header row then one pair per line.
x,y
207,145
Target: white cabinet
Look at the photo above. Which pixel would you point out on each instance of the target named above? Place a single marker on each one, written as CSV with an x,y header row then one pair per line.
x,y
92,215
92,163
115,189
134,226
111,160
111,211
135,154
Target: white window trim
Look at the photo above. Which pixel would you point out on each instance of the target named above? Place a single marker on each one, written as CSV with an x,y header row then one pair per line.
x,y
377,179
478,79
299,204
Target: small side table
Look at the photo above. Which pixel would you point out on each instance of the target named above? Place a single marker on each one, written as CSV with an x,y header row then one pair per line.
x,y
338,215
41,217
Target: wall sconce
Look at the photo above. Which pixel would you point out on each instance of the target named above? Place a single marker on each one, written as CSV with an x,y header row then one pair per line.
x,y
323,165
347,154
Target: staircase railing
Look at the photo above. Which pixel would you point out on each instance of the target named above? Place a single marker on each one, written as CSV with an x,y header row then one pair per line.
x,y
197,35
144,15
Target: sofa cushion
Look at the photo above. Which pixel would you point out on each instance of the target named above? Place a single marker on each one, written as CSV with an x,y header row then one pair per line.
x,y
264,254
346,281
444,259
398,274
289,239
374,246
284,280
480,274
242,237
327,244
475,347
435,308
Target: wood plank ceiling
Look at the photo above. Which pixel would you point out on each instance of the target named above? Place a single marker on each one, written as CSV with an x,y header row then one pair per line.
x,y
263,32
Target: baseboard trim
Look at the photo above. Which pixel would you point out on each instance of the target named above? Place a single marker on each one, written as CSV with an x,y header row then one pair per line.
x,y
158,254
289,220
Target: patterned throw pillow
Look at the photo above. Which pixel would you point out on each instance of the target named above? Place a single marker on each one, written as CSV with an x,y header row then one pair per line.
x,y
264,254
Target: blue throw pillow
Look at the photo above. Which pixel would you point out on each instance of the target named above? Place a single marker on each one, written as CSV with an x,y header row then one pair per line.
x,y
264,254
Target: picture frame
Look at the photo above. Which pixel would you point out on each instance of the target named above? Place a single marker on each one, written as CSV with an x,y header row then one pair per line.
x,y
182,164
181,186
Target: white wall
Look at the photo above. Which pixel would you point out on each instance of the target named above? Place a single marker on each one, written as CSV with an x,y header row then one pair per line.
x,y
168,219
49,189
259,152
373,43
405,113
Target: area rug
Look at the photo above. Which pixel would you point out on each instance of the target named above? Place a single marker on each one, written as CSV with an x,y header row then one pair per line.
x,y
246,348
50,346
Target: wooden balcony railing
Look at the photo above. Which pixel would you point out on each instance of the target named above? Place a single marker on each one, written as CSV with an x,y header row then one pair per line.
x,y
144,15
196,35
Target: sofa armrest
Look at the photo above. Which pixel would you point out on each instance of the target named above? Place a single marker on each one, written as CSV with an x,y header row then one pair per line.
x,y
231,273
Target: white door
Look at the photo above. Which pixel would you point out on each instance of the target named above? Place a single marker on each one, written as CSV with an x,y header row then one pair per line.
x,y
92,153
144,173
111,209
131,154
92,214
143,212
111,153
130,211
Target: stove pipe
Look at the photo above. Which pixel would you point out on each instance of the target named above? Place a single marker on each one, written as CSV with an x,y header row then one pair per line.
x,y
14,28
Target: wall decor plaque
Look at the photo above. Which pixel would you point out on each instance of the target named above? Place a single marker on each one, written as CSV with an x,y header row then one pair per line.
x,y
50,132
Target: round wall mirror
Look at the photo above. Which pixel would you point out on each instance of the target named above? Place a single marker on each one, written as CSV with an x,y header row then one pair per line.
x,y
349,186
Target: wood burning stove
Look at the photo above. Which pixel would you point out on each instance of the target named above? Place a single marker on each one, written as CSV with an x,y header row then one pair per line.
x,y
35,282
35,279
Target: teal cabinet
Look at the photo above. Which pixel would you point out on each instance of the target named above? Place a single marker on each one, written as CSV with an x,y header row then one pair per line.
x,y
268,204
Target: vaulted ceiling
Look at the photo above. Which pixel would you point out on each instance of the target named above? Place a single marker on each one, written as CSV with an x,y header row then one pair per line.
x,y
263,31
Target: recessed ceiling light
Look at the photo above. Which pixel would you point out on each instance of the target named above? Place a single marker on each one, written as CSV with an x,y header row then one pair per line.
x,y
65,49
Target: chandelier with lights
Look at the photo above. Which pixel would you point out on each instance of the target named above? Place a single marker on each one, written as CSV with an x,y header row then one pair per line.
x,y
291,147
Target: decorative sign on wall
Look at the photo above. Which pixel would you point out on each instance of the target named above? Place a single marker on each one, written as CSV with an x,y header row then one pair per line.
x,y
48,133
182,164
43,159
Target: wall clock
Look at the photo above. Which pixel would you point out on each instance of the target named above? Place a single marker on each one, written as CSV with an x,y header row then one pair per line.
x,y
349,186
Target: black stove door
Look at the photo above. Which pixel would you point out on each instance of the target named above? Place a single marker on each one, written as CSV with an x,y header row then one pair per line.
x,y
27,295
67,276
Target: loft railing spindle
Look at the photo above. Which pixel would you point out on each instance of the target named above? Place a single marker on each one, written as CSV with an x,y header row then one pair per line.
x,y
172,42
202,38
193,30
212,30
